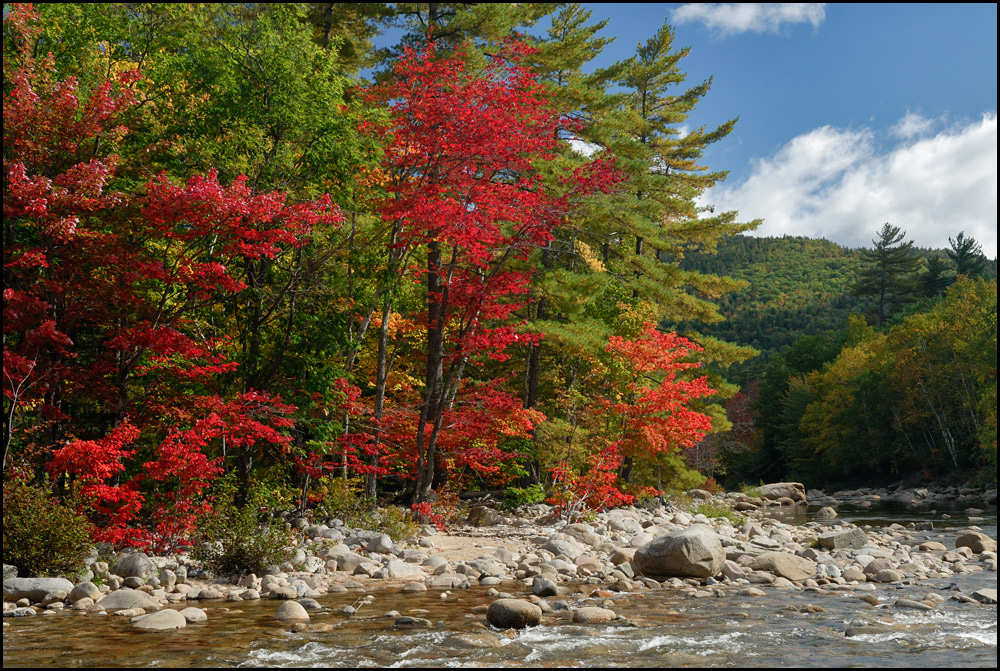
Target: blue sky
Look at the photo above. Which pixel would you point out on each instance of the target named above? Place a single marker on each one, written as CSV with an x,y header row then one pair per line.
x,y
849,115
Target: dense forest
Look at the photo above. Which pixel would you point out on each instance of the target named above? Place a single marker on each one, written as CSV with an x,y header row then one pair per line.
x,y
844,392
245,250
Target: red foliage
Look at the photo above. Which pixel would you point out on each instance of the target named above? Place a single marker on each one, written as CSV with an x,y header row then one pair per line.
x,y
654,412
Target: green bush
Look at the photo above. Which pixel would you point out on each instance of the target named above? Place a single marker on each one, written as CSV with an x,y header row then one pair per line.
x,y
717,509
234,541
515,497
42,536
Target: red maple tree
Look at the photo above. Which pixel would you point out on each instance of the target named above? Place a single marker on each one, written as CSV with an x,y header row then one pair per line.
x,y
464,156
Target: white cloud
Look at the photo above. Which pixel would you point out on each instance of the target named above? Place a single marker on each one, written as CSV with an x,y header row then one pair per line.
x,y
730,19
912,125
838,184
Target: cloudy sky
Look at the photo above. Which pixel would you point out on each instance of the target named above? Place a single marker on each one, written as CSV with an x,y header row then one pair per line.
x,y
850,116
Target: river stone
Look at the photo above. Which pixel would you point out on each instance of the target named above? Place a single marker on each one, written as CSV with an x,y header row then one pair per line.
x,y
593,615
826,513
381,544
165,620
985,595
911,604
692,552
488,567
34,589
561,546
878,564
125,599
854,574
473,640
544,587
932,546
851,539
84,590
976,541
134,565
888,575
9,572
513,614
778,490
395,568
784,565
482,516
192,614
291,610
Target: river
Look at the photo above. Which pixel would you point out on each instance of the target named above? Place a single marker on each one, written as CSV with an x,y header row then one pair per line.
x,y
665,628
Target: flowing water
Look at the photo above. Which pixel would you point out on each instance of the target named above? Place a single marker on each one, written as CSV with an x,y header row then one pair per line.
x,y
665,628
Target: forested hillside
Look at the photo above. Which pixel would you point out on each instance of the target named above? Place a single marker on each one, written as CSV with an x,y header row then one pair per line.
x,y
793,287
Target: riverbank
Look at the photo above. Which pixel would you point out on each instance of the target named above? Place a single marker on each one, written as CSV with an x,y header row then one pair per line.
x,y
629,550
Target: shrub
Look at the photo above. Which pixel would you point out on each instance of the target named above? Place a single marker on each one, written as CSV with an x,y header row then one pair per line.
x,y
234,541
42,536
515,497
716,509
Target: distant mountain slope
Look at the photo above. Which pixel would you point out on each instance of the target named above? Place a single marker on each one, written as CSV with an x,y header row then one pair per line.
x,y
798,286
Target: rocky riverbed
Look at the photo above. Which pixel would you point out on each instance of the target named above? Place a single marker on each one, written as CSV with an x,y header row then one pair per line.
x,y
537,569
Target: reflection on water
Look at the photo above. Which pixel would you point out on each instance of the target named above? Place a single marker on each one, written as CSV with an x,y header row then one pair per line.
x,y
664,629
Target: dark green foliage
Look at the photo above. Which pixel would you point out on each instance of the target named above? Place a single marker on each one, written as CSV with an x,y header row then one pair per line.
x,y
42,536
795,287
889,273
515,497
935,278
967,255
236,540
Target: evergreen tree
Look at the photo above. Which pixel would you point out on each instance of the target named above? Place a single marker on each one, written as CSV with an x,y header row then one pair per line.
x,y
967,255
935,278
889,277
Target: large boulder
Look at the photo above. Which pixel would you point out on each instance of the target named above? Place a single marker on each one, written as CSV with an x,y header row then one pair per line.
x,y
165,620
777,490
123,599
482,516
291,610
851,539
134,565
33,589
784,565
976,541
513,614
84,590
694,552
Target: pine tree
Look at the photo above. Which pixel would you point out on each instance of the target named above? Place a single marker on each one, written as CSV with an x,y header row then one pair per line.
x,y
967,255
890,277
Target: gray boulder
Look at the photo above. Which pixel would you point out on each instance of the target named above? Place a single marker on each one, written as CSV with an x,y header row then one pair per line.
x,y
395,568
977,542
778,490
784,565
192,614
9,571
694,552
482,516
381,544
165,620
123,599
291,610
84,590
34,589
513,614
134,565
851,539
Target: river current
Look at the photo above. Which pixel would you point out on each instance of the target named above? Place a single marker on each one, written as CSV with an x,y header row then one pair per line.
x,y
664,628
